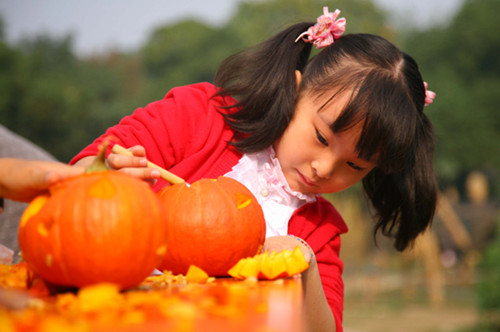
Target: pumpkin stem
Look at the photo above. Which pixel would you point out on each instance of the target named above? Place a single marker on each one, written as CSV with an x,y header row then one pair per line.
x,y
99,163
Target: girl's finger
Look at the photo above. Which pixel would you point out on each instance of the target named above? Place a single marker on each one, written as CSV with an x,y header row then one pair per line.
x,y
142,173
118,161
138,151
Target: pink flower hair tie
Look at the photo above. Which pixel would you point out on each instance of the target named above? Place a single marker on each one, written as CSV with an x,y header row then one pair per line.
x,y
326,31
429,95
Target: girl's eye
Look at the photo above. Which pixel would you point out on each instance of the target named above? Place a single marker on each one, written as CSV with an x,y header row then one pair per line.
x,y
354,166
321,139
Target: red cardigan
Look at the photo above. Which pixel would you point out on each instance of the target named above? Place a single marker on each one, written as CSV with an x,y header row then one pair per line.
x,y
186,134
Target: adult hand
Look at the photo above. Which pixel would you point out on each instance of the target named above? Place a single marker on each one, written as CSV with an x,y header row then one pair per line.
x,y
22,180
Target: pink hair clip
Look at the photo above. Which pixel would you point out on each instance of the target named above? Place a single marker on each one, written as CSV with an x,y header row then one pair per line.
x,y
429,95
325,31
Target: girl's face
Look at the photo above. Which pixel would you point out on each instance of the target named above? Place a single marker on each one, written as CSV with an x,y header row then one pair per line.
x,y
313,158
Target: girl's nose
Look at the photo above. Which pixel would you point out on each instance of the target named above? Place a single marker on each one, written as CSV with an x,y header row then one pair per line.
x,y
323,168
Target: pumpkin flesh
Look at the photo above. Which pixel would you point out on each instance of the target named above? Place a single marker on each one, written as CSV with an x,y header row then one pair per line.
x,y
271,266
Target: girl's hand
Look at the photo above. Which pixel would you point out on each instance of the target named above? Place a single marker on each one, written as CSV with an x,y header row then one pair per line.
x,y
135,165
279,243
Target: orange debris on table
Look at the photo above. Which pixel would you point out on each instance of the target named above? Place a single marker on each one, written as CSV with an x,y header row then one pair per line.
x,y
164,302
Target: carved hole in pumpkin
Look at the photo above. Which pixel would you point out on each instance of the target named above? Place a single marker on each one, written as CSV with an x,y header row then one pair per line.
x,y
42,230
33,209
161,251
102,188
242,200
48,260
44,226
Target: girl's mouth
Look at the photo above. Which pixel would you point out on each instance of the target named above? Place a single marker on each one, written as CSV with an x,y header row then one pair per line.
x,y
308,182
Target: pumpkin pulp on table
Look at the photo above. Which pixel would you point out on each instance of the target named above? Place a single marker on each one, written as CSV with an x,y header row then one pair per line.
x,y
271,266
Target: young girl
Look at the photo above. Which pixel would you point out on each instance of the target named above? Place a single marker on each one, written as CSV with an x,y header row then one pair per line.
x,y
290,129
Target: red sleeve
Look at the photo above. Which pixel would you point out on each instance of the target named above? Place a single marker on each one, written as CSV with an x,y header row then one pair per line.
x,y
320,225
186,126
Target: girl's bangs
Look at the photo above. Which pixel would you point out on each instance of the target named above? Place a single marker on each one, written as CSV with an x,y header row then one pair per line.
x,y
388,118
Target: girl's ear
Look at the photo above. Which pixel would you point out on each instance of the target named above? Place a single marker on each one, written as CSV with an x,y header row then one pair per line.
x,y
298,77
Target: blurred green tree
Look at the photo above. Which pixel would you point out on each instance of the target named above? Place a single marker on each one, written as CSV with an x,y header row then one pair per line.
x,y
40,92
53,98
185,53
11,83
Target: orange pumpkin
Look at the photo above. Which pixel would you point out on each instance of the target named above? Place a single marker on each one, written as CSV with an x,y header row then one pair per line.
x,y
103,226
211,224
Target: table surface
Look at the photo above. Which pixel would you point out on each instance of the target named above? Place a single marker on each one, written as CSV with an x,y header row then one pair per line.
x,y
160,303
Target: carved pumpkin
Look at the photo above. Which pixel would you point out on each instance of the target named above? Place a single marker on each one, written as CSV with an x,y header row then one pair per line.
x,y
211,224
103,226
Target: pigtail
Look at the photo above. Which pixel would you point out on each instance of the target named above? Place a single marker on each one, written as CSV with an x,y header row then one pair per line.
x,y
262,80
405,201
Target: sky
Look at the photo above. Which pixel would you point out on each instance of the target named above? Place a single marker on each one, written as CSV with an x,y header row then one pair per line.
x,y
101,25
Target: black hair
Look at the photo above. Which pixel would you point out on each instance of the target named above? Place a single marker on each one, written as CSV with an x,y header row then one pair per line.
x,y
262,80
387,99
